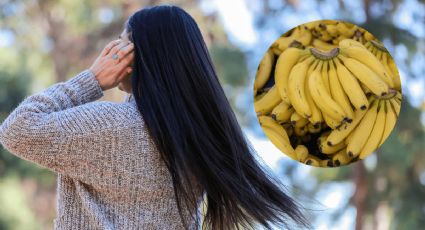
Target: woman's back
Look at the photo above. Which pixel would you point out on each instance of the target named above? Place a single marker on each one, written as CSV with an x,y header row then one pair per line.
x,y
110,174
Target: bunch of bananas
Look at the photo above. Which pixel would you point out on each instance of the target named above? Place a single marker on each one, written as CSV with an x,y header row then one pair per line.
x,y
327,93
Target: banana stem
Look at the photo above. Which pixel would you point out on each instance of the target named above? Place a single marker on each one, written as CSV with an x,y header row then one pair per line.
x,y
391,94
358,33
322,55
296,44
378,45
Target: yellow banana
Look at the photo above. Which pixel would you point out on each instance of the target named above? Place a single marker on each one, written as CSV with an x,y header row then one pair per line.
x,y
374,51
368,46
298,121
338,135
317,64
268,101
364,56
326,163
348,43
320,27
384,57
341,158
348,139
316,115
345,30
362,132
276,51
283,43
398,96
282,112
351,86
260,95
301,152
384,61
368,36
300,131
281,141
395,73
321,45
325,36
395,105
312,160
338,93
325,77
296,89
266,121
322,98
277,135
301,35
390,120
305,37
350,135
366,76
314,128
379,55
330,122
284,64
338,39
326,149
365,89
377,132
332,30
312,25
296,32
264,70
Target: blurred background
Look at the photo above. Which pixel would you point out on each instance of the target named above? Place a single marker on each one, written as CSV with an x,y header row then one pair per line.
x,y
44,41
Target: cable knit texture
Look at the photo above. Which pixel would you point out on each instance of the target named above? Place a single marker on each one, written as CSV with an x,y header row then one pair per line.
x,y
110,174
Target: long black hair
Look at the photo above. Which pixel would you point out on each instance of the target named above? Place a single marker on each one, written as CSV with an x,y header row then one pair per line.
x,y
187,114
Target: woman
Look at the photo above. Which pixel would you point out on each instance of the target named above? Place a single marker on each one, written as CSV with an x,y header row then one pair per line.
x,y
146,163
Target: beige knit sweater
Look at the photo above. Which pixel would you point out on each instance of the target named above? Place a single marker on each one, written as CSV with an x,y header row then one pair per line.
x,y
110,175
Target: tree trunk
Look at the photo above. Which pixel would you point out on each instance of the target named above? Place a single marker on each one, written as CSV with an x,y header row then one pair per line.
x,y
359,197
366,4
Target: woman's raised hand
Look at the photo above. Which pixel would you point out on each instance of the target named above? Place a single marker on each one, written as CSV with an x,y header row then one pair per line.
x,y
109,71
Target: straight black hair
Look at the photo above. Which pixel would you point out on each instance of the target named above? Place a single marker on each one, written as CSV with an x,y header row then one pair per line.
x,y
187,114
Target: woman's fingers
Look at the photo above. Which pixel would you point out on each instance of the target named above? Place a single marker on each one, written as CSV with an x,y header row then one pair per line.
x,y
116,49
126,61
122,53
124,73
108,47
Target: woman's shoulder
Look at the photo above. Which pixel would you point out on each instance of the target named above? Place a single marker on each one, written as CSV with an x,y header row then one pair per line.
x,y
100,115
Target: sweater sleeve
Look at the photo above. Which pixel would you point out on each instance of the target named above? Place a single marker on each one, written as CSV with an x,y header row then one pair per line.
x,y
39,126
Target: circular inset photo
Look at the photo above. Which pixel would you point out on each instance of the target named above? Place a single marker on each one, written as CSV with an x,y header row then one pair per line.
x,y
327,93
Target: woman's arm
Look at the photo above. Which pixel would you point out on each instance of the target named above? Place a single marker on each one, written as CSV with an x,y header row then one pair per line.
x,y
50,127
66,131
33,130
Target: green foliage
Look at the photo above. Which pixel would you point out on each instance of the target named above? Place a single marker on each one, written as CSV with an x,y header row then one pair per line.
x,y
15,214
232,71
230,65
14,86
